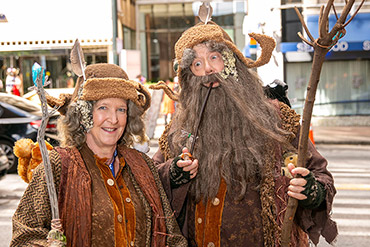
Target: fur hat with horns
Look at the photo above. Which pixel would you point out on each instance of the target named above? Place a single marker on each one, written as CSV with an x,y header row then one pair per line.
x,y
104,81
210,31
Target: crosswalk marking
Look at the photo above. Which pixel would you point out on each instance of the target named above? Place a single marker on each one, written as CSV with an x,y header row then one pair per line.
x,y
352,186
355,234
350,211
357,201
352,222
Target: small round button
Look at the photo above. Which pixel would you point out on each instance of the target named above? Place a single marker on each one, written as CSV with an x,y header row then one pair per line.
x,y
216,201
128,199
132,243
199,220
119,218
210,244
110,182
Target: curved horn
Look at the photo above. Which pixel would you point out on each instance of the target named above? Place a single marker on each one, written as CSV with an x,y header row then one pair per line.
x,y
162,85
267,46
79,82
61,103
147,95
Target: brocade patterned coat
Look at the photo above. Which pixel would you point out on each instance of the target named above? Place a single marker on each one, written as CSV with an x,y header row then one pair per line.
x,y
255,220
97,209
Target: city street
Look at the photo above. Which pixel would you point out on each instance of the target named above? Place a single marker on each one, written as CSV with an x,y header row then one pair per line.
x,y
349,164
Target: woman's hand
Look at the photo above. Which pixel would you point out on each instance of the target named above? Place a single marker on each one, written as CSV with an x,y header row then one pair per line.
x,y
297,184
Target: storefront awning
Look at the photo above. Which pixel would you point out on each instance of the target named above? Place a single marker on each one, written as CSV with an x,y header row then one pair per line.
x,y
357,38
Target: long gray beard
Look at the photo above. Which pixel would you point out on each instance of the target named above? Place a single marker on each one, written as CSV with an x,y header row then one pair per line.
x,y
231,141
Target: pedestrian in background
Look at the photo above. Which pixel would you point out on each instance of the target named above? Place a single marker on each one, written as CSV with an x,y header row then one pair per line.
x,y
13,82
168,105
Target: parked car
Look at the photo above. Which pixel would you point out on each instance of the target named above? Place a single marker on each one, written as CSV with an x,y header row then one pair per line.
x,y
21,118
4,163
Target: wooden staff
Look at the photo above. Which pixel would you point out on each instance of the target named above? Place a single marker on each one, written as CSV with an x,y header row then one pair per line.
x,y
321,47
55,236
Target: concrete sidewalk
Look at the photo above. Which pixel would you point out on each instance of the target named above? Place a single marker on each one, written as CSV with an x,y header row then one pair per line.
x,y
350,135
356,135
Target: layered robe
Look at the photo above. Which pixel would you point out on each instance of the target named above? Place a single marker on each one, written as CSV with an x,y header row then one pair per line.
x,y
97,209
256,219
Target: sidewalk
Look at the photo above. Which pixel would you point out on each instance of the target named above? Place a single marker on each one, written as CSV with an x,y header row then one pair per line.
x,y
350,135
356,135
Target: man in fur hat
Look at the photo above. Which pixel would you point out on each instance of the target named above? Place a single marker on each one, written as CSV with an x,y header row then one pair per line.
x,y
232,192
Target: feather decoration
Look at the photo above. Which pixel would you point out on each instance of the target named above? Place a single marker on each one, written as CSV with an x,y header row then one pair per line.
x,y
77,60
36,71
205,12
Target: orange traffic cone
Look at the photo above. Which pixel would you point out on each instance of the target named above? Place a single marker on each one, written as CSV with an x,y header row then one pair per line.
x,y
310,134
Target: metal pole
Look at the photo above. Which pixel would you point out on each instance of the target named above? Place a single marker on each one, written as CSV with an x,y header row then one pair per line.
x,y
114,38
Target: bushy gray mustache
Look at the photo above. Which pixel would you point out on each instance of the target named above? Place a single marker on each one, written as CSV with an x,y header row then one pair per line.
x,y
208,78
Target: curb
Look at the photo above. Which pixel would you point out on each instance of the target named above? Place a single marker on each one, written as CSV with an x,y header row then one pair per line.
x,y
328,142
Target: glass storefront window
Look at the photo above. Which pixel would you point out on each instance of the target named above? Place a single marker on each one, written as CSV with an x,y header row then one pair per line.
x,y
344,87
161,25
129,36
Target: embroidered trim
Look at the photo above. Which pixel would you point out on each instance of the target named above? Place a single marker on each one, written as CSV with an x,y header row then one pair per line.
x,y
271,230
163,143
229,64
289,120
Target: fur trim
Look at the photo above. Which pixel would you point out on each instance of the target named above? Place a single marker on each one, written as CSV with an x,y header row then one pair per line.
x,y
23,148
290,119
102,88
104,70
112,77
163,142
29,157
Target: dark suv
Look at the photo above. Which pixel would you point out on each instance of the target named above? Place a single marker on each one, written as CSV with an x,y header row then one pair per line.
x,y
20,118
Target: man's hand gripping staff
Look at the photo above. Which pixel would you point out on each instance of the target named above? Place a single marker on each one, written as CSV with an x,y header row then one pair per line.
x,y
185,167
303,186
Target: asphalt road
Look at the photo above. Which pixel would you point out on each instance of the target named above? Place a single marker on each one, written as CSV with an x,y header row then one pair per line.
x,y
349,164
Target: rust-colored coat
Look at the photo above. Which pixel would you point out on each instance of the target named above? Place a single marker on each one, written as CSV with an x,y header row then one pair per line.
x,y
72,176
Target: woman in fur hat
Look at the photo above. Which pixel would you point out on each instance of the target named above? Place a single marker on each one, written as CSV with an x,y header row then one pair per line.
x,y
108,193
237,196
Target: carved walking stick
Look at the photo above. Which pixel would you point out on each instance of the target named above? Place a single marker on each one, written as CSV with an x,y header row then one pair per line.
x,y
55,237
321,47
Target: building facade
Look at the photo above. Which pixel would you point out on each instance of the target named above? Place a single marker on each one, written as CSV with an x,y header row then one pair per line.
x,y
142,33
45,32
344,87
160,23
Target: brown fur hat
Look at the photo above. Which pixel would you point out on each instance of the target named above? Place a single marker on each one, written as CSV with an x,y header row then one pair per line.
x,y
111,81
104,81
211,31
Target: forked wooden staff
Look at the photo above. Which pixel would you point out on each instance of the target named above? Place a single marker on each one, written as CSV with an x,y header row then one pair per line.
x,y
321,47
55,237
